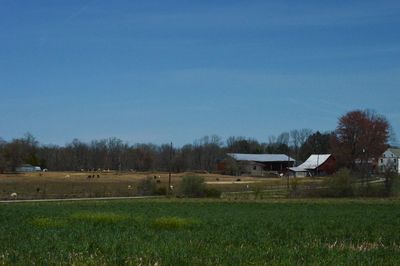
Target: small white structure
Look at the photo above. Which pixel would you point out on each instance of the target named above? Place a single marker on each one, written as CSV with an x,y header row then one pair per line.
x,y
389,161
299,171
27,168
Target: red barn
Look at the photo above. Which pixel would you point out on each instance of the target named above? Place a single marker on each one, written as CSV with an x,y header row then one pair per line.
x,y
316,164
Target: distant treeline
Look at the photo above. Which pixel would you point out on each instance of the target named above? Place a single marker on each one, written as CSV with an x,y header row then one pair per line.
x,y
113,153
360,137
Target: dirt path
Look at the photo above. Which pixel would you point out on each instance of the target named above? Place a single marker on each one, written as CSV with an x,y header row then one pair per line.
x,y
81,199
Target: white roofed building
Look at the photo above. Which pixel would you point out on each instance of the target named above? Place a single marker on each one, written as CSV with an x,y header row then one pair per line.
x,y
316,164
26,168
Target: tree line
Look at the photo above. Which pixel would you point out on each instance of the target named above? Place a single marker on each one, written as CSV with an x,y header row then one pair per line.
x,y
359,135
113,153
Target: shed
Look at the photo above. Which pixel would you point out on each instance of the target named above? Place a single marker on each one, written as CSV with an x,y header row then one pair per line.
x,y
27,168
261,164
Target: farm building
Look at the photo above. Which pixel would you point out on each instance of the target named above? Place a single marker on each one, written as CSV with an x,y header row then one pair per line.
x,y
258,164
26,168
316,164
390,160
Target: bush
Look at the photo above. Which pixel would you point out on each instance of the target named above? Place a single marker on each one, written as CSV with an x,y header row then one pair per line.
x,y
391,183
340,184
395,185
193,186
161,191
212,193
294,188
375,190
147,187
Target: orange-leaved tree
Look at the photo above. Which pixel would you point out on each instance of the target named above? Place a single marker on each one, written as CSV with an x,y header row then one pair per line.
x,y
361,136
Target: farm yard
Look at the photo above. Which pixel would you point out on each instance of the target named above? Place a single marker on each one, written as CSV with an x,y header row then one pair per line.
x,y
201,232
199,133
249,221
50,185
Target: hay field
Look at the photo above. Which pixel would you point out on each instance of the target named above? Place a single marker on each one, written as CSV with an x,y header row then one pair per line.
x,y
50,185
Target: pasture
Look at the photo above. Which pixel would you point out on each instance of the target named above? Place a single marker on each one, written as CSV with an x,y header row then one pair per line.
x,y
48,185
201,232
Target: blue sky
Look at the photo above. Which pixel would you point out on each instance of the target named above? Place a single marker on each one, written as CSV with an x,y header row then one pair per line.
x,y
160,71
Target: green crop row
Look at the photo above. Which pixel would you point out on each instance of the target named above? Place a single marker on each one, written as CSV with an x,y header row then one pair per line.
x,y
188,232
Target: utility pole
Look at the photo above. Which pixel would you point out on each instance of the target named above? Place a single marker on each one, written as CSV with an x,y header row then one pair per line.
x,y
316,169
287,171
119,165
363,168
169,168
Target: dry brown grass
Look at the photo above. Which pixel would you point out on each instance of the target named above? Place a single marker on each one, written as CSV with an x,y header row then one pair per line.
x,y
359,247
113,184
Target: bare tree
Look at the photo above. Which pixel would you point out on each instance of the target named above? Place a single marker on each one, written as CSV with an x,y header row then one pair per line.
x,y
2,158
317,143
242,145
283,138
278,144
20,151
298,138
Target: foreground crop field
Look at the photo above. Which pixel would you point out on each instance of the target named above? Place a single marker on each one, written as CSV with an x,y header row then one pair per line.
x,y
201,232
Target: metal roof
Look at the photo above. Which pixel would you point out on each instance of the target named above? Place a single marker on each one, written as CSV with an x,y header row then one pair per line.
x,y
261,157
395,151
298,169
314,161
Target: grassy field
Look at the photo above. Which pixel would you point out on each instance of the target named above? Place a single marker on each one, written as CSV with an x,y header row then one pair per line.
x,y
77,184
201,232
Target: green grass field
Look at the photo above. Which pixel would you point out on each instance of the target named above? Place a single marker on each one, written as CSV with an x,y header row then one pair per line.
x,y
201,232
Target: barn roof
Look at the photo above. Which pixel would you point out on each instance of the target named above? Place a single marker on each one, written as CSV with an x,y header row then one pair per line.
x,y
314,161
261,157
297,169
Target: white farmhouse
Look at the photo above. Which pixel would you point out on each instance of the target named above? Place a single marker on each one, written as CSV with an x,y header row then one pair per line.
x,y
390,160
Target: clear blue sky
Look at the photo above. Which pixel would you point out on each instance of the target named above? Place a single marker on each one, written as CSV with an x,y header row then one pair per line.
x,y
160,71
